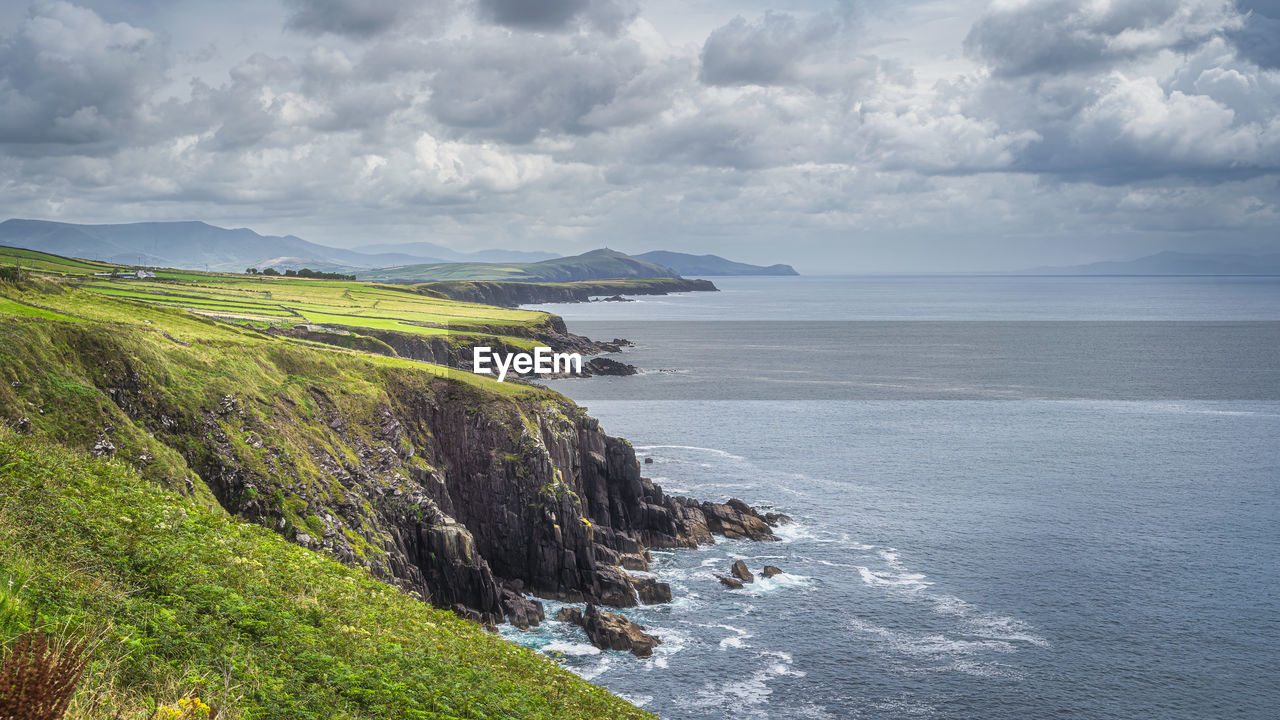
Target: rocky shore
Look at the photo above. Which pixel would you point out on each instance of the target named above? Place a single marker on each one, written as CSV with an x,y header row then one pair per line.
x,y
514,294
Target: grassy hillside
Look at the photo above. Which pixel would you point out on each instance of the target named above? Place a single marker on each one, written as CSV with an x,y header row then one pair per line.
x,y
594,265
284,302
197,425
184,600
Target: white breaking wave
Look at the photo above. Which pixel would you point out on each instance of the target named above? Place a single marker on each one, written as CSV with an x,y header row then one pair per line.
x,y
713,451
571,648
750,696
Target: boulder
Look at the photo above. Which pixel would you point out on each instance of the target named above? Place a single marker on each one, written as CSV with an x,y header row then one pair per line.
x,y
774,519
520,610
648,461
771,570
740,571
610,631
569,615
731,583
614,587
633,561
608,366
736,520
650,591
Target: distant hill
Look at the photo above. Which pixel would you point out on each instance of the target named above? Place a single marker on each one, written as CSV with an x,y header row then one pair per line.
x,y
198,245
594,265
687,264
1175,263
444,254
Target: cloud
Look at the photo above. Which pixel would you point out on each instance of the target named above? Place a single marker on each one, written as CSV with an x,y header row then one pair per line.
x,y
779,49
354,18
463,119
67,77
1259,36
1025,37
1083,77
490,86
609,15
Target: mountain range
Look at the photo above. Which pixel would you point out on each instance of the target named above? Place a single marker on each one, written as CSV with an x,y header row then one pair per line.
x,y
687,264
593,265
201,246
1175,263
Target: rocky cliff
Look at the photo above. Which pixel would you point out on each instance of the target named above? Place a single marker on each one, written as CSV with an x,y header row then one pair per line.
x,y
468,494
513,294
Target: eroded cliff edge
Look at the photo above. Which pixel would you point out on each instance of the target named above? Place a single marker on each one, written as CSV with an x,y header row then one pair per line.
x,y
462,493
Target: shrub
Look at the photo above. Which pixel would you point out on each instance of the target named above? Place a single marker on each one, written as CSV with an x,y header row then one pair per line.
x,y
38,680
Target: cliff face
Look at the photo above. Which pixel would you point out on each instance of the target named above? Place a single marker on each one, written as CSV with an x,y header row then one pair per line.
x,y
513,294
457,492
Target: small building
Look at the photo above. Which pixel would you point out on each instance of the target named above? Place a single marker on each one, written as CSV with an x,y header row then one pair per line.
x,y
145,275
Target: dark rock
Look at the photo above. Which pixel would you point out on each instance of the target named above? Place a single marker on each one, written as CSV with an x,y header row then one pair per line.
x,y
615,587
521,611
648,461
514,294
633,561
607,366
610,631
731,583
736,521
740,571
771,570
616,298
569,615
650,591
775,519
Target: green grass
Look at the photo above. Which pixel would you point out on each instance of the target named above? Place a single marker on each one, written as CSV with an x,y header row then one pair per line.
x,y
264,301
186,600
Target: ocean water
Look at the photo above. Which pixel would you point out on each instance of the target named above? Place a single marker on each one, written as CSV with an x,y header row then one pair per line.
x,y
1013,497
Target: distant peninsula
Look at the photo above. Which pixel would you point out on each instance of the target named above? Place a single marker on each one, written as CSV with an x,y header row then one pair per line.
x,y
1175,263
594,265
687,264
199,245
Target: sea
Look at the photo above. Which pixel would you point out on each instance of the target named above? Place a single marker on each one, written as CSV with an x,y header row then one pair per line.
x,y
1012,497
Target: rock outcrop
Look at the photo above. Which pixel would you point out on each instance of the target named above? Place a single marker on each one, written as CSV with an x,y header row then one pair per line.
x,y
611,631
770,570
649,591
514,294
740,571
471,499
457,350
730,582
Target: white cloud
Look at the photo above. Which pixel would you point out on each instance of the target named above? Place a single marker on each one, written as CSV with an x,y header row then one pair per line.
x,y
461,120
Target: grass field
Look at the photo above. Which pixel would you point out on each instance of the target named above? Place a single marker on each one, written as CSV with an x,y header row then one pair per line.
x,y
183,600
180,596
263,301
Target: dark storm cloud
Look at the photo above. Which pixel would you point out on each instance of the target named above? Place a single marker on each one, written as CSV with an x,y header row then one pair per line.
x,y
69,78
1259,38
356,18
778,49
492,87
1059,36
583,121
556,14
538,14
1072,73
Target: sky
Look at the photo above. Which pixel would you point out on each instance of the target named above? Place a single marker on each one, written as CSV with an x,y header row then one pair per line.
x,y
867,136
